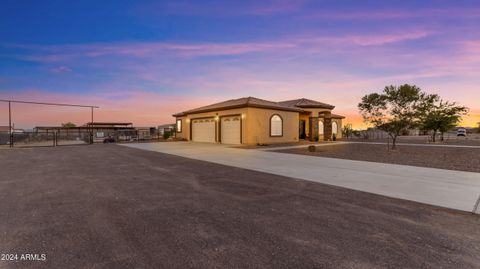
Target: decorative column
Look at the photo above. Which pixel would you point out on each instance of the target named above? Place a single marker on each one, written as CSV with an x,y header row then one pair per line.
x,y
327,125
312,128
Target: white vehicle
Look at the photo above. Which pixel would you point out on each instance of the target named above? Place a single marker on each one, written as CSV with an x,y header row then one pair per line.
x,y
462,132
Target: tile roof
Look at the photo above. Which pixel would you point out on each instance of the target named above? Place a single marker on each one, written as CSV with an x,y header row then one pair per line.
x,y
238,103
305,103
336,116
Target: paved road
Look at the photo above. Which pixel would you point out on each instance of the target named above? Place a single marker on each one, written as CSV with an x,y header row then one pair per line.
x,y
446,188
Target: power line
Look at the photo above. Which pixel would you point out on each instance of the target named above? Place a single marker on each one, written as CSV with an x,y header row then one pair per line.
x,y
41,103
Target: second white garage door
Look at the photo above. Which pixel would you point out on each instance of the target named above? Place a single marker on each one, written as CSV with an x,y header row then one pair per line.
x,y
230,130
203,130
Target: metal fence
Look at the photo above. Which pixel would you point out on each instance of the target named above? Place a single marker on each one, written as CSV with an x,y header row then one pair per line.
x,y
77,137
44,139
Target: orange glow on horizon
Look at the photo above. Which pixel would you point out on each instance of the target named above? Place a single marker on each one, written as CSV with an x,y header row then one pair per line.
x,y
141,108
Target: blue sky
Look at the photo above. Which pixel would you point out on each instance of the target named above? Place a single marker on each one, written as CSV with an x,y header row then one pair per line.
x,y
132,57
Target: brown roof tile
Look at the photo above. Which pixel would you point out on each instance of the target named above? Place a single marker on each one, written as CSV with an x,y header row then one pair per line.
x,y
336,116
238,103
305,103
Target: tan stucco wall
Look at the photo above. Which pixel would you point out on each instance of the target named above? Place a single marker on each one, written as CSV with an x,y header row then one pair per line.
x,y
255,125
339,123
258,121
185,134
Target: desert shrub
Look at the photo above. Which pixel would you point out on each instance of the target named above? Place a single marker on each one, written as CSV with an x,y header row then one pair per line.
x,y
166,135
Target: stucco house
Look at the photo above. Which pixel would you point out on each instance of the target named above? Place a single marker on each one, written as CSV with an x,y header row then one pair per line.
x,y
250,120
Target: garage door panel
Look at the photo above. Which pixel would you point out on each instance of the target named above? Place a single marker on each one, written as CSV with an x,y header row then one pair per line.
x,y
231,130
203,130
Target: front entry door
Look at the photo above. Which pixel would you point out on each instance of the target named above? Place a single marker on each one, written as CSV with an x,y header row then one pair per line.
x,y
302,132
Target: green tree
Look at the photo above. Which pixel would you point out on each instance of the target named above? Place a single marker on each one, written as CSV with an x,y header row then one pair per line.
x,y
441,116
347,130
166,135
68,125
393,110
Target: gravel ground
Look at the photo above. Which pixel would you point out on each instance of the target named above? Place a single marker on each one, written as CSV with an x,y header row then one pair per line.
x,y
107,206
470,140
462,159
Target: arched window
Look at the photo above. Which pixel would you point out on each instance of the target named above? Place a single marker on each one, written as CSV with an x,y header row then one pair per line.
x,y
320,127
276,125
334,127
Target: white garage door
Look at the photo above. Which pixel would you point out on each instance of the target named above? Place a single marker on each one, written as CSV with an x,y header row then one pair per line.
x,y
230,130
203,130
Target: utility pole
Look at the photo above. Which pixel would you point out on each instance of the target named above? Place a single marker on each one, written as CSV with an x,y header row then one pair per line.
x,y
91,125
10,123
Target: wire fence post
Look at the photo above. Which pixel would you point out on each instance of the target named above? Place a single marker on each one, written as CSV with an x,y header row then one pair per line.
x,y
475,207
10,133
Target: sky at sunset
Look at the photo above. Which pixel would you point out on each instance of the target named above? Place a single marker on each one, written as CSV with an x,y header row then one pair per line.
x,y
142,61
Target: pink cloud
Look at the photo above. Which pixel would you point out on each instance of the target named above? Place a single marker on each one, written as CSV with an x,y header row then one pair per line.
x,y
62,53
60,69
396,14
51,58
365,39
223,8
275,7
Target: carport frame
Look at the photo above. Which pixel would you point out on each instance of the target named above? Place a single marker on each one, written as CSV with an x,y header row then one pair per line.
x,y
10,131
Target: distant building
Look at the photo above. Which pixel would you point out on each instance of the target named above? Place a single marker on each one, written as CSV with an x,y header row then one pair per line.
x,y
5,134
100,130
13,130
5,129
166,128
144,133
120,131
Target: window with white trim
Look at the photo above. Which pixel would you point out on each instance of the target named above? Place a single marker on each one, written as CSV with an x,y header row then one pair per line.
x,y
276,126
179,126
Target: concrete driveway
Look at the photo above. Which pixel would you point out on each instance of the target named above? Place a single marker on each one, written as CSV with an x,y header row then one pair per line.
x,y
445,188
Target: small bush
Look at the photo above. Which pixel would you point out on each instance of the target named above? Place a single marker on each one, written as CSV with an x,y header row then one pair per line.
x,y
166,135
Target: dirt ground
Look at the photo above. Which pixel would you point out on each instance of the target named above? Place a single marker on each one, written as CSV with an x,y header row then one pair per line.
x,y
461,159
108,206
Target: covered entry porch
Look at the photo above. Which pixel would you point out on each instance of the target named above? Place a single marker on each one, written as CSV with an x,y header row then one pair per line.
x,y
320,126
